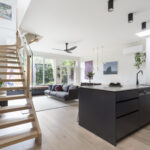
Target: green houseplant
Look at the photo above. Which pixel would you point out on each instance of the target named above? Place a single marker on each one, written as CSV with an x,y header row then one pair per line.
x,y
90,76
58,72
1,83
140,59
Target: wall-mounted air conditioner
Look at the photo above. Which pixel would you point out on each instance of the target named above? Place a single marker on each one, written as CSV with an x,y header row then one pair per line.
x,y
134,49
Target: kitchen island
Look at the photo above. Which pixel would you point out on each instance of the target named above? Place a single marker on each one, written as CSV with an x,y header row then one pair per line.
x,y
113,113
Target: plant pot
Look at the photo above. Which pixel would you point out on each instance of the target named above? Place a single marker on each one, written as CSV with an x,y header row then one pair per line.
x,y
89,80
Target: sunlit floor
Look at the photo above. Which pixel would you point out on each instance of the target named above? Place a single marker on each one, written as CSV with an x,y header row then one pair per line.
x,y
60,131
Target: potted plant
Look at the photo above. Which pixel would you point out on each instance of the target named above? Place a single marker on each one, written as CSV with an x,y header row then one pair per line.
x,y
90,76
140,59
1,84
58,72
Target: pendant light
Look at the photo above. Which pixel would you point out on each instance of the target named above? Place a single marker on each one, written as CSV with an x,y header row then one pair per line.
x,y
144,25
110,5
130,17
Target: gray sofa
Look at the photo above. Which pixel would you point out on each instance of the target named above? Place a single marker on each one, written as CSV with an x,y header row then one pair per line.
x,y
68,92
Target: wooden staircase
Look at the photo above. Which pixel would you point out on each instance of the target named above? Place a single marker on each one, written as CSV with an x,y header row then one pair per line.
x,y
10,59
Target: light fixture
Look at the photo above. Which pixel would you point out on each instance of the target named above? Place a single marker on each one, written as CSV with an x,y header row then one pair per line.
x,y
144,25
130,17
110,5
143,33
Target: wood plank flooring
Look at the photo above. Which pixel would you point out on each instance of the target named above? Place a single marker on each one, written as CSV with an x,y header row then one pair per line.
x,y
61,131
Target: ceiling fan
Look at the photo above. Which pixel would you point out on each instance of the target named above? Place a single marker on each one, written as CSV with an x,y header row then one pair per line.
x,y
68,50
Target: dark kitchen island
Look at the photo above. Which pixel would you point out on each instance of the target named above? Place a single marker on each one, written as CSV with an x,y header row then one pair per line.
x,y
113,113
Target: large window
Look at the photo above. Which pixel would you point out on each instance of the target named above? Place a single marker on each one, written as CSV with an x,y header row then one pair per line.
x,y
43,71
64,75
38,70
67,72
49,71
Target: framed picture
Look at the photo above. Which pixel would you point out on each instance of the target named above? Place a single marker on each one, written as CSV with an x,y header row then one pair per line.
x,y
5,11
88,68
110,68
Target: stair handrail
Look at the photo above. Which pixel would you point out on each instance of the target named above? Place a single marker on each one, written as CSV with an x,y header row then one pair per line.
x,y
22,45
30,52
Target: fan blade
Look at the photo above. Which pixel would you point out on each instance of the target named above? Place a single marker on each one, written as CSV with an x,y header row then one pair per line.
x,y
72,48
68,51
57,49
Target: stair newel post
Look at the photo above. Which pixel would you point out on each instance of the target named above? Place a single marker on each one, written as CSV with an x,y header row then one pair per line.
x,y
28,76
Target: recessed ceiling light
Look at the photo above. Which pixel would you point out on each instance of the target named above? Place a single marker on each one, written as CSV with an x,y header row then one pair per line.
x,y
110,5
143,33
130,17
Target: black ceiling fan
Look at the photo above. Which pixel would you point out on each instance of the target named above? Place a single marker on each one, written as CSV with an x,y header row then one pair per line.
x,y
68,50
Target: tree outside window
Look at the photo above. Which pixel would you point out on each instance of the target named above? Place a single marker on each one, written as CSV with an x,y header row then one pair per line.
x,y
43,71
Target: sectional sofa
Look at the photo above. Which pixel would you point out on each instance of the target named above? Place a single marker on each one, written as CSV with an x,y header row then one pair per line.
x,y
62,92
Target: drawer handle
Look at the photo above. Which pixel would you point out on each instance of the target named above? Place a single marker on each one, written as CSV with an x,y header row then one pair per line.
x,y
127,114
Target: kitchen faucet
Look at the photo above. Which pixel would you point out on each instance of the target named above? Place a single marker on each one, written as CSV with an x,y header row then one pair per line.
x,y
137,77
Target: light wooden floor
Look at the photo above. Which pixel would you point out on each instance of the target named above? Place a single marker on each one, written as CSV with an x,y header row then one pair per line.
x,y
61,132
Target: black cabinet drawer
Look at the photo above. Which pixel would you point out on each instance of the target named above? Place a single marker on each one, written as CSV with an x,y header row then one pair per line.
x,y
126,125
126,107
144,102
126,95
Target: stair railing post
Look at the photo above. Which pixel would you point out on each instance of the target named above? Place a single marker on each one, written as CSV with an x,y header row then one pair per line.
x,y
28,76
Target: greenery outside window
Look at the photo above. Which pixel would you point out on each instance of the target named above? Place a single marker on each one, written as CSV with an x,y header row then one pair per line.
x,y
68,72
43,71
49,71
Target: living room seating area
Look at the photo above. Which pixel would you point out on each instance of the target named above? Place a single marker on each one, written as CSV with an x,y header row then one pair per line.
x,y
62,92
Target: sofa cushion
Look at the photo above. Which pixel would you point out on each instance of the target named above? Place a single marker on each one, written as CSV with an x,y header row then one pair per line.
x,y
50,87
53,93
62,94
65,88
58,88
46,92
73,87
53,87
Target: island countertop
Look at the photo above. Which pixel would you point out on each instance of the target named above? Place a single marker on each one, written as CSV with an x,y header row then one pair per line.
x,y
113,113
116,89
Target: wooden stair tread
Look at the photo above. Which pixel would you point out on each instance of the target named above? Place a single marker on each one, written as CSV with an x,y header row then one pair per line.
x,y
12,80
14,108
11,67
5,46
5,123
18,137
10,62
9,57
15,97
11,73
12,88
8,48
6,52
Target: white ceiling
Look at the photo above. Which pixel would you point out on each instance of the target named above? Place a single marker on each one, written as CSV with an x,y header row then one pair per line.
x,y
85,23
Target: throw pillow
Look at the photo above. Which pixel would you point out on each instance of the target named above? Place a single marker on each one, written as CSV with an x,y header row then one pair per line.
x,y
53,87
65,88
58,88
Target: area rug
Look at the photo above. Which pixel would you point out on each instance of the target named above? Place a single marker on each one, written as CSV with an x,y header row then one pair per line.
x,y
42,103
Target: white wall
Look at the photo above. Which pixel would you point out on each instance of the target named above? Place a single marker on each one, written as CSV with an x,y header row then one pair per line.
x,y
148,60
126,69
22,6
8,27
